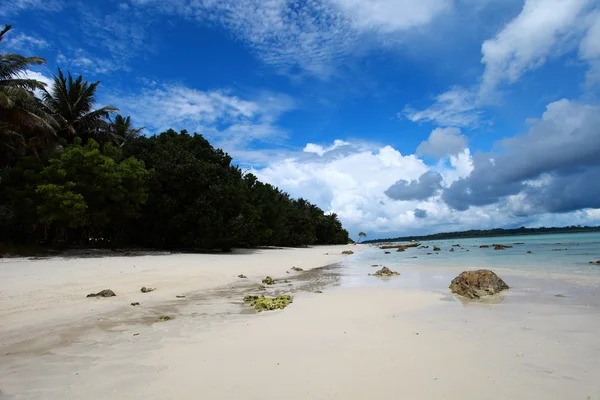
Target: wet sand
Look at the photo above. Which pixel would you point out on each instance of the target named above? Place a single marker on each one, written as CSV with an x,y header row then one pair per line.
x,y
373,342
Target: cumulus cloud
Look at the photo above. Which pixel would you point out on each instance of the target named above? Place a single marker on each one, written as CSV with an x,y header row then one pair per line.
x,y
421,189
560,151
443,142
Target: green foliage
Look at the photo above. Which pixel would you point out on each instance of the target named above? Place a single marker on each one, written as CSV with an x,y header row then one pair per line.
x,y
70,173
84,187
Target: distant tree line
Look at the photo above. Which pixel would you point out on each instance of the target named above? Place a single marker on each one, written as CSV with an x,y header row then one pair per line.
x,y
72,173
492,233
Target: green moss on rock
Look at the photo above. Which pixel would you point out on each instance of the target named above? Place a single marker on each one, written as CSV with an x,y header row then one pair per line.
x,y
268,281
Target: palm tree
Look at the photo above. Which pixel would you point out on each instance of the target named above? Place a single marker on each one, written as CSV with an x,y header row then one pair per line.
x,y
121,130
71,101
23,121
361,235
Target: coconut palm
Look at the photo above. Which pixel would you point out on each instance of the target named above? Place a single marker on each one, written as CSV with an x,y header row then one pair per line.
x,y
23,120
71,102
361,235
121,130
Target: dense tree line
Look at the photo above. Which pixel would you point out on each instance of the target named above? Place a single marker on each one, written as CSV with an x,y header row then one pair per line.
x,y
74,174
492,233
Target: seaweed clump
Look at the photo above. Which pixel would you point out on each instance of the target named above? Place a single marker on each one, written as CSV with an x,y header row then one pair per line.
x,y
297,269
145,289
163,318
268,303
268,281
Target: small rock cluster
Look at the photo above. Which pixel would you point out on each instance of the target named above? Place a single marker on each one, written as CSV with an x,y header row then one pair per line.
x,y
385,271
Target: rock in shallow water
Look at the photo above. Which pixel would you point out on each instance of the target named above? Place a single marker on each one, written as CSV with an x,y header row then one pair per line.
x,y
476,284
385,271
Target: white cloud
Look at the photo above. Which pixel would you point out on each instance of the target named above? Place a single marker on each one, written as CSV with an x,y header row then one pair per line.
x,y
311,36
589,48
24,43
457,107
543,29
320,150
80,61
38,76
391,15
229,121
443,142
15,7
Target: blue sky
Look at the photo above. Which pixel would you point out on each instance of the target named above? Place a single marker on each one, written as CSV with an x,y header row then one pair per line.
x,y
403,117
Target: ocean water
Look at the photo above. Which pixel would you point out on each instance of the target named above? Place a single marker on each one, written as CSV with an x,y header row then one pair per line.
x,y
558,265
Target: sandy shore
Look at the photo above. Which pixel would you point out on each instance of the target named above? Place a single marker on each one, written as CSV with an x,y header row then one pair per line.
x,y
347,343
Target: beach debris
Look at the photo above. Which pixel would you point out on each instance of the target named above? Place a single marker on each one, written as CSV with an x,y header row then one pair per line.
x,y
559,249
529,252
424,247
387,252
595,262
136,334
385,271
135,303
297,269
377,265
145,289
429,253
501,246
484,246
164,318
437,249
286,281
179,296
519,354
456,245
518,243
268,303
401,249
476,284
242,276
318,291
268,281
559,295
347,252
103,293
452,249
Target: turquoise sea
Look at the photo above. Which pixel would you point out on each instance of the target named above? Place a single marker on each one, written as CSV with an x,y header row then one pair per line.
x,y
557,265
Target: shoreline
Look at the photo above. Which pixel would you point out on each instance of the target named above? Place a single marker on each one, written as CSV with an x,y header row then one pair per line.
x,y
40,297
376,340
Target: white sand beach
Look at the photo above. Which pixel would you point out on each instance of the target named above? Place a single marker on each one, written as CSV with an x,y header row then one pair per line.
x,y
346,343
